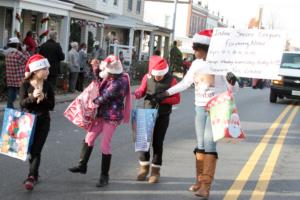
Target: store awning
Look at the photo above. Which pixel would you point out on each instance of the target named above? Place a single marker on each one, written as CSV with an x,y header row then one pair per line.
x,y
129,22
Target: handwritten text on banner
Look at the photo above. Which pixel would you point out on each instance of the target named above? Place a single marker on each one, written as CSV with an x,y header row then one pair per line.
x,y
253,53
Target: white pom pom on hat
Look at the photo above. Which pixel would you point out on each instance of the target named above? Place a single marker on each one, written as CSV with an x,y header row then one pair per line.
x,y
158,66
34,63
112,65
203,37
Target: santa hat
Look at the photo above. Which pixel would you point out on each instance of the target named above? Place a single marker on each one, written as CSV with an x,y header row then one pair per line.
x,y
13,40
203,37
112,65
34,63
158,66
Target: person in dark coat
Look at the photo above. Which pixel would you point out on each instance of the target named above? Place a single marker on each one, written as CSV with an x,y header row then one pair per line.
x,y
53,52
37,96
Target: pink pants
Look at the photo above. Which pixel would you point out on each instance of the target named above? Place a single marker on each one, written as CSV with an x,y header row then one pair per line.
x,y
107,129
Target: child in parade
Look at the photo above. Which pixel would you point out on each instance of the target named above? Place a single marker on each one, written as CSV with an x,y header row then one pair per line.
x,y
114,108
206,86
37,96
157,80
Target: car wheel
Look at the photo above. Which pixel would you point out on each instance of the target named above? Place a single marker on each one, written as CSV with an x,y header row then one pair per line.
x,y
273,97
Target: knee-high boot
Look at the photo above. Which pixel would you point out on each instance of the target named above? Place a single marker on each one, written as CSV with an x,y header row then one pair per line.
x,y
105,166
84,158
209,168
199,155
34,164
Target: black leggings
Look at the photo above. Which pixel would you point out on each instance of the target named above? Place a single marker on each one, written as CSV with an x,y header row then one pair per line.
x,y
41,132
160,129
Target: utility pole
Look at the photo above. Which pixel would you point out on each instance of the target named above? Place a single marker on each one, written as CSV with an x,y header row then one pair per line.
x,y
260,17
174,19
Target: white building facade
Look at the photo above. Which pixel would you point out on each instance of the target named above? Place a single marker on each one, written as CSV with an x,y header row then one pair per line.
x,y
191,17
17,17
125,26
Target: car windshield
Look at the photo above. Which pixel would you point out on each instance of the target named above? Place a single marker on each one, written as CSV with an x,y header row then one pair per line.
x,y
290,61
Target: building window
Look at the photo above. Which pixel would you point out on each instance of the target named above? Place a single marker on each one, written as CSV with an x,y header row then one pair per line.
x,y
138,6
115,2
129,5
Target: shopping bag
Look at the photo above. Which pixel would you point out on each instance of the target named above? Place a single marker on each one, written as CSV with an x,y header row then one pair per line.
x,y
17,133
224,117
143,121
82,111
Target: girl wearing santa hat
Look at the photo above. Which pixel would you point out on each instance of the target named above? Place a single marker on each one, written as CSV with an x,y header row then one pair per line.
x,y
37,96
206,86
114,108
156,81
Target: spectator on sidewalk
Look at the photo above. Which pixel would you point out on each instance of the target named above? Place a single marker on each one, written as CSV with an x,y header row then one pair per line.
x,y
37,96
74,66
15,61
175,58
53,52
30,43
83,66
98,52
114,109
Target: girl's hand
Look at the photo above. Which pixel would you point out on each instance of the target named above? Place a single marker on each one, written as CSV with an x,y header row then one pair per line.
x,y
36,93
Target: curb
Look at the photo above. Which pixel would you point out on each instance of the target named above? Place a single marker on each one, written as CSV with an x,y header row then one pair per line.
x,y
62,98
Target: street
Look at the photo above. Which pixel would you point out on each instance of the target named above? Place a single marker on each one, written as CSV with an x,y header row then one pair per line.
x,y
263,166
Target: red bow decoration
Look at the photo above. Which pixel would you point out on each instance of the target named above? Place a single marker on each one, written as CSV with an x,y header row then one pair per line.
x,y
18,17
45,19
44,34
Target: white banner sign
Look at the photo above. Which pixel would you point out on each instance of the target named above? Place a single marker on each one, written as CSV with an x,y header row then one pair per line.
x,y
253,53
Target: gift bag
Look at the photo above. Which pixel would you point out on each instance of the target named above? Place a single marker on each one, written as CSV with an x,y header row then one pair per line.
x,y
224,117
82,111
17,133
143,121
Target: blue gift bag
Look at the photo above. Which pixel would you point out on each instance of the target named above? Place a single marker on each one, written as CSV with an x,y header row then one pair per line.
x,y
17,133
143,121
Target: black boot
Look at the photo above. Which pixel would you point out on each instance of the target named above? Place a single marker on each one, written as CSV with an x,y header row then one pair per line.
x,y
34,164
84,158
105,165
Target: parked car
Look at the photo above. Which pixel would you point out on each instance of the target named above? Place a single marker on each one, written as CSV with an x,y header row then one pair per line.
x,y
288,83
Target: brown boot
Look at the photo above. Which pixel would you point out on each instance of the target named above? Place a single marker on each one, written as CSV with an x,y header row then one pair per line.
x,y
155,174
144,171
207,177
199,169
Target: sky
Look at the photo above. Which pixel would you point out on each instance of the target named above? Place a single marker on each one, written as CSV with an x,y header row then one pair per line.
x,y
279,14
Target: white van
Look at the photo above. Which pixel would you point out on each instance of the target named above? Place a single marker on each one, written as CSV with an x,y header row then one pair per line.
x,y
288,84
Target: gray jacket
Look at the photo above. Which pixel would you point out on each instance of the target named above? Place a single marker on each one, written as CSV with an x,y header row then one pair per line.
x,y
73,60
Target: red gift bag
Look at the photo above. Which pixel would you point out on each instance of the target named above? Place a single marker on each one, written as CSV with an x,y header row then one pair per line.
x,y
82,111
224,117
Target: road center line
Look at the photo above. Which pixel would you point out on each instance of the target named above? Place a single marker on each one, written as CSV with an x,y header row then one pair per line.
x,y
265,177
239,183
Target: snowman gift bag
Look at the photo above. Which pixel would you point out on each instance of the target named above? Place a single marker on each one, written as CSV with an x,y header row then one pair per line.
x,y
224,117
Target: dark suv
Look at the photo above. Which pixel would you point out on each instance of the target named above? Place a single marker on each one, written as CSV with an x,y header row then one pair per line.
x,y
288,85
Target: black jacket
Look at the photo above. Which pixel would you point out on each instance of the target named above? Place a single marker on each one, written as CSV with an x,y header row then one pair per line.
x,y
29,104
53,52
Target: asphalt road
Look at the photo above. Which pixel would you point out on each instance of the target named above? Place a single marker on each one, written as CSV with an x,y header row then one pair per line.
x,y
260,167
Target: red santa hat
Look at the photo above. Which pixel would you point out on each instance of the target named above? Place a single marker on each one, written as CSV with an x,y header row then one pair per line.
x,y
203,37
158,66
34,63
112,65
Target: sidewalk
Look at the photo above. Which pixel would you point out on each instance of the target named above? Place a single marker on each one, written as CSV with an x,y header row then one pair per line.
x,y
60,98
